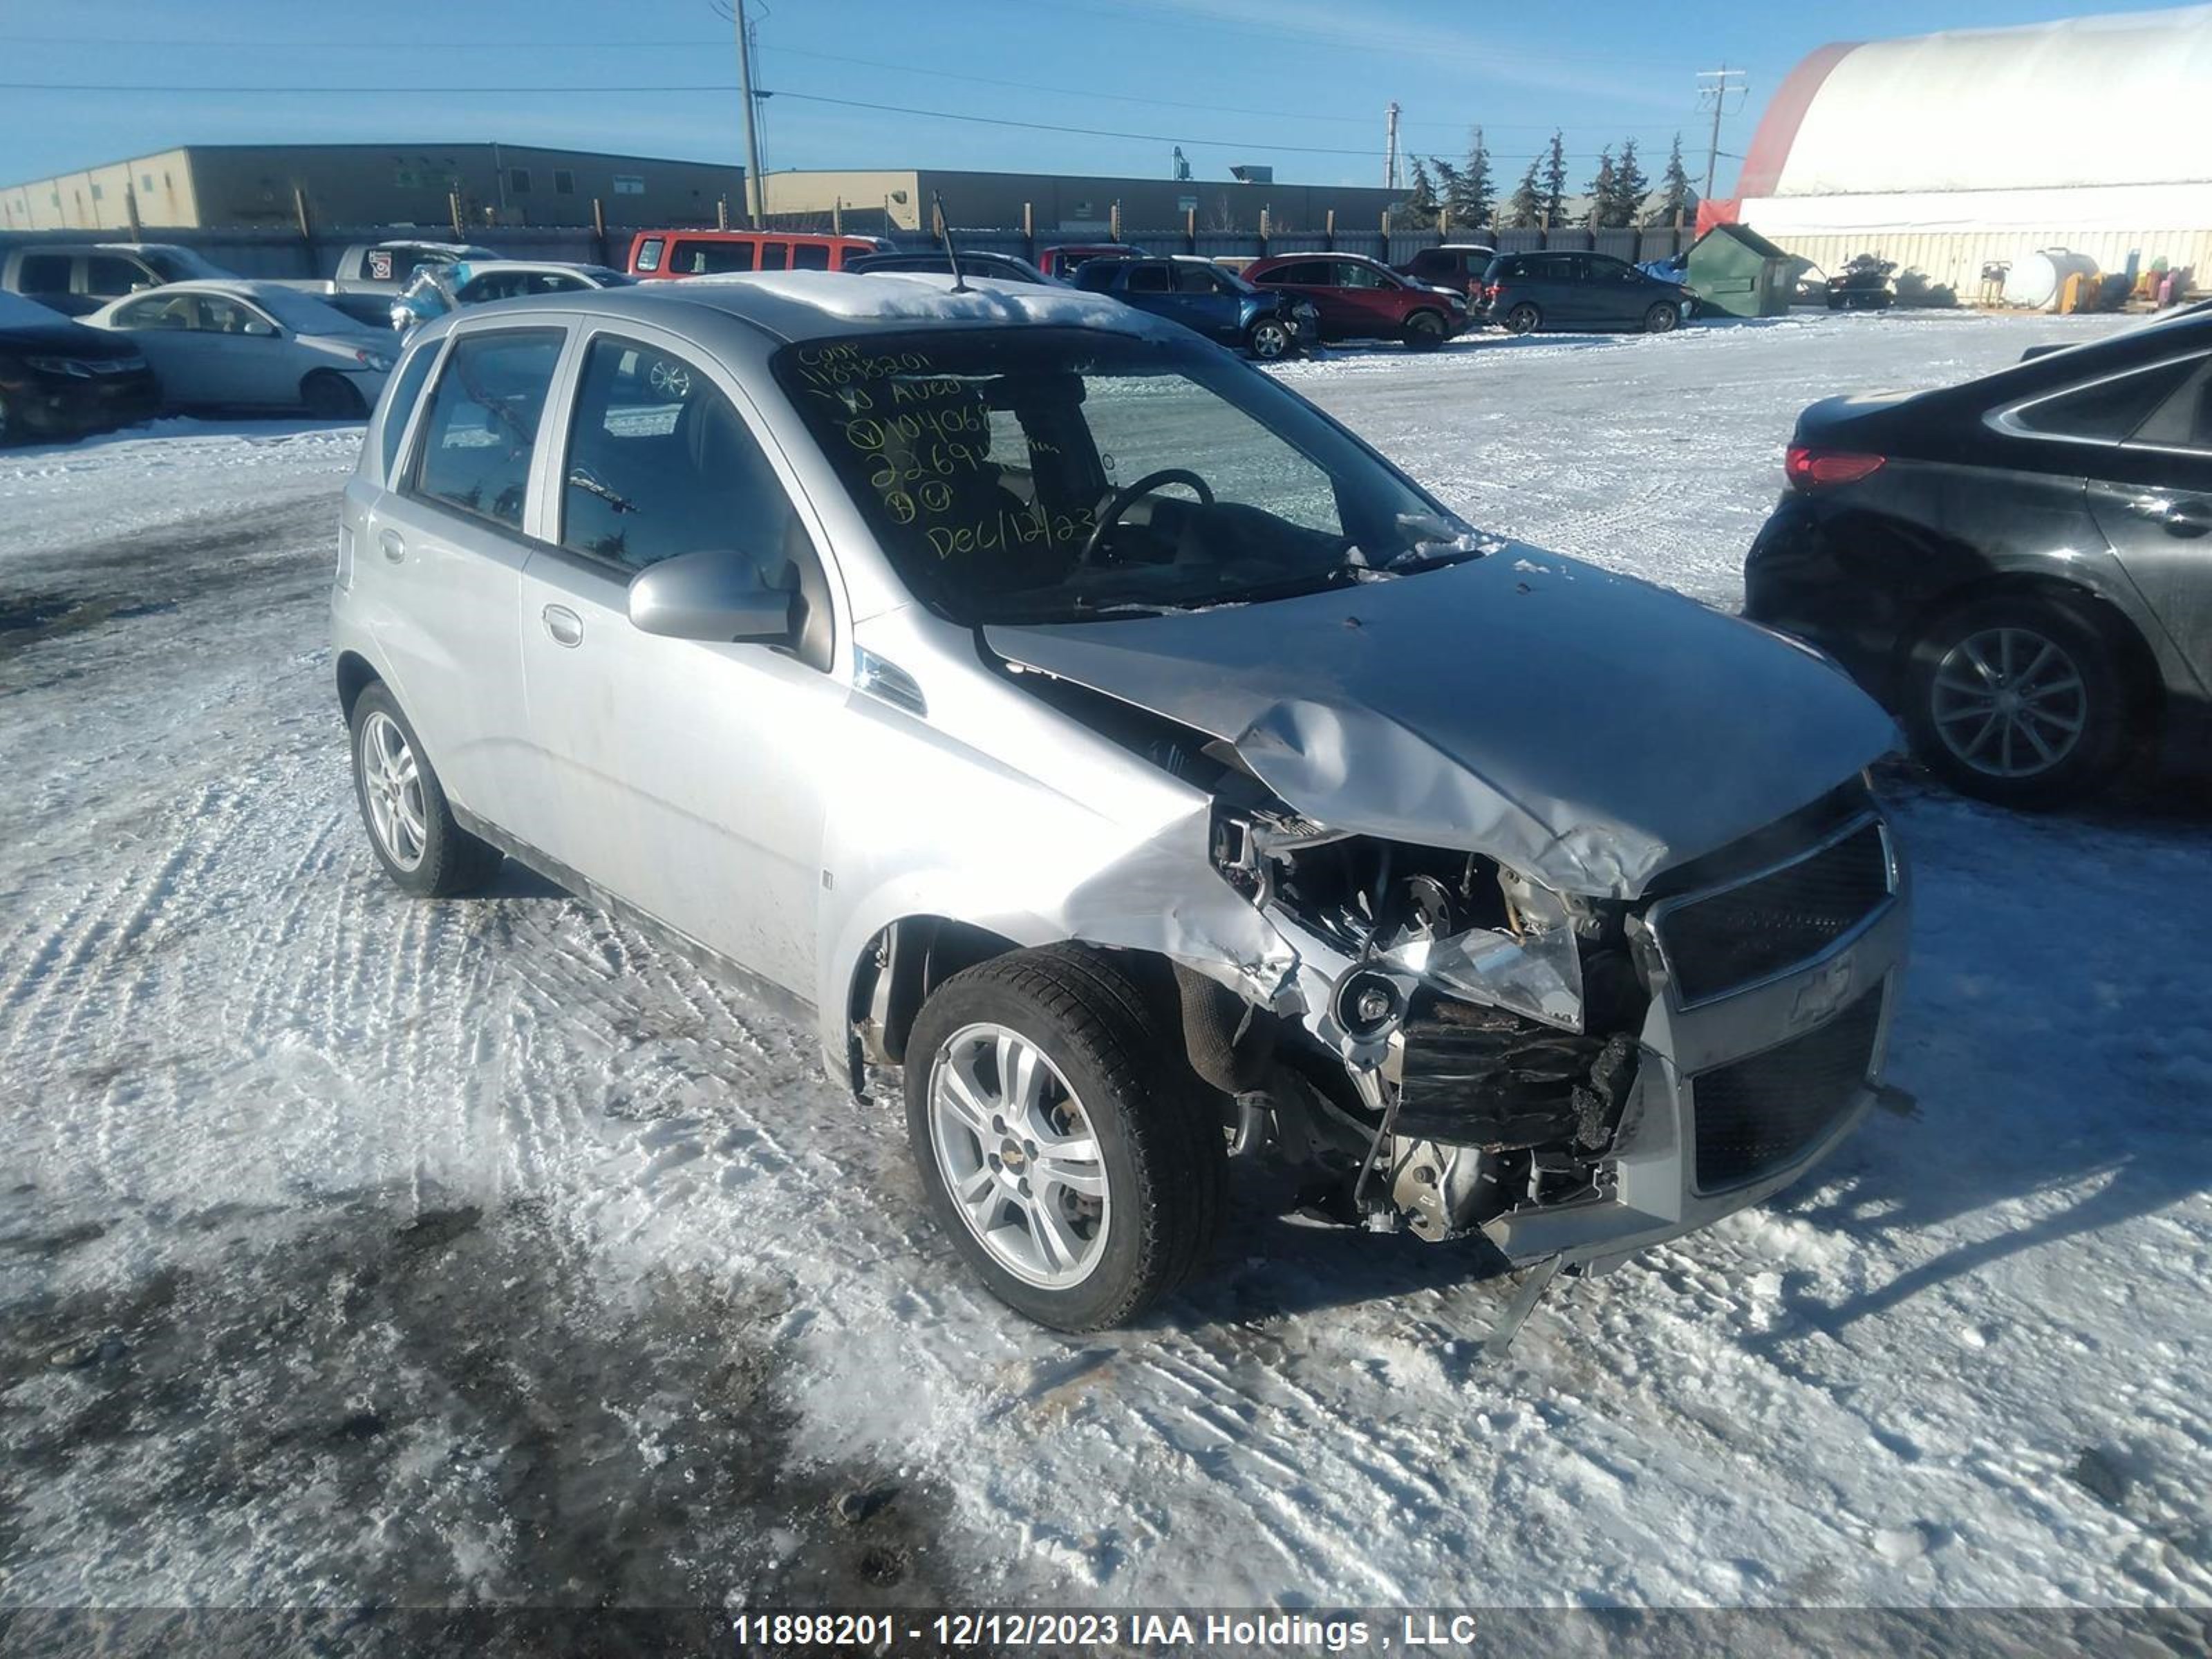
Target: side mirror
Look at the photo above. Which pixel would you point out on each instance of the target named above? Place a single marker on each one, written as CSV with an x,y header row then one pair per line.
x,y
714,596
260,330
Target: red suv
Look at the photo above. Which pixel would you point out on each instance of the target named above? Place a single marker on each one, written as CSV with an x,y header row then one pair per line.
x,y
658,253
1362,299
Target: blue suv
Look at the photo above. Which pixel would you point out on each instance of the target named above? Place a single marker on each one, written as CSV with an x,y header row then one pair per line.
x,y
1210,300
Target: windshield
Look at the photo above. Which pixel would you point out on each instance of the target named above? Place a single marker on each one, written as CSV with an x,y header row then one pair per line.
x,y
1033,474
182,264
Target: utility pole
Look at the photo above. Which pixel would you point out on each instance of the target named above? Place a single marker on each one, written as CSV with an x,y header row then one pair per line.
x,y
1390,146
1714,87
756,187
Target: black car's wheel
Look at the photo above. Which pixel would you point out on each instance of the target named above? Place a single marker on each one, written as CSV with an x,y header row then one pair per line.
x,y
1424,331
1072,1167
329,397
1269,340
2019,700
1523,319
1661,318
410,828
7,424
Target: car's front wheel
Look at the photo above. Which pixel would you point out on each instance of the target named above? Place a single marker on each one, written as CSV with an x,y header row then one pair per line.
x,y
1522,319
2019,700
330,397
1074,1168
1424,331
410,828
1269,340
1661,318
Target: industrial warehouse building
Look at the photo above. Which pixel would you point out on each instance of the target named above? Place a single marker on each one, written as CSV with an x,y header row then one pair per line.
x,y
233,186
1949,152
897,198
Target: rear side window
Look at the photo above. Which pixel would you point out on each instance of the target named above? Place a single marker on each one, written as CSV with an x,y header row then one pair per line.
x,y
710,258
1148,279
399,402
659,463
481,425
1311,272
2184,421
2106,411
809,256
43,273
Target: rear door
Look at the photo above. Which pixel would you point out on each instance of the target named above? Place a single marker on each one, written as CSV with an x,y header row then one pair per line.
x,y
1149,285
447,544
681,775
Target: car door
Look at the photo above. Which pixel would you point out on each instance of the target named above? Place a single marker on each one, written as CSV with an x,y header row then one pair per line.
x,y
246,358
1316,280
1620,294
446,543
162,326
1374,304
682,776
2153,500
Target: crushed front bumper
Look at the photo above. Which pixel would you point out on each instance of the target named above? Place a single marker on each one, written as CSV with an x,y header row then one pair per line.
x,y
1740,1091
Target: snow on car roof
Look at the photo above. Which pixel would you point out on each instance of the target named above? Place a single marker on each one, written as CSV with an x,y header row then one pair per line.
x,y
805,304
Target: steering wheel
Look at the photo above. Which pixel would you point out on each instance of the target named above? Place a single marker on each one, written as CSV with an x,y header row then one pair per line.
x,y
1123,498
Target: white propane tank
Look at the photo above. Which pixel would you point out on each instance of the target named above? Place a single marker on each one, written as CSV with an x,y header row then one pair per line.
x,y
2037,279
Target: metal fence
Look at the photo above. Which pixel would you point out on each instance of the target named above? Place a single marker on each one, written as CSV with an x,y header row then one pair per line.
x,y
287,254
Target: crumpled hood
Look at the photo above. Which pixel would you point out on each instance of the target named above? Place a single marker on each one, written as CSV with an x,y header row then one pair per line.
x,y
1586,728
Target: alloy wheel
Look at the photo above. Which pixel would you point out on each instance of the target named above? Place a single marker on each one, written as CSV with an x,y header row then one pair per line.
x,y
392,784
2008,703
1020,1156
1270,340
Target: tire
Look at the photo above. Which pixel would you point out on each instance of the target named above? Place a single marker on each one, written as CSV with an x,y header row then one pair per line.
x,y
1523,319
1099,1056
1269,340
6,425
1424,331
330,397
2041,658
1661,318
421,848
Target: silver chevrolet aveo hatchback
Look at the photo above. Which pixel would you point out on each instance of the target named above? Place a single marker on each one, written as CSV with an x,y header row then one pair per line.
x,y
1071,715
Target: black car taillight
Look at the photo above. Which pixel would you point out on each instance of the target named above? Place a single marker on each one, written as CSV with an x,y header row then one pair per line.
x,y
1808,468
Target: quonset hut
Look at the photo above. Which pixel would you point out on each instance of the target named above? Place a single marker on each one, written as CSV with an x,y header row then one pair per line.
x,y
1947,152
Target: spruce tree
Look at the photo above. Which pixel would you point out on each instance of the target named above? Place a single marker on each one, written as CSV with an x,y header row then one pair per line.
x,y
1478,191
1555,178
1603,190
1630,185
1419,207
1525,209
1674,190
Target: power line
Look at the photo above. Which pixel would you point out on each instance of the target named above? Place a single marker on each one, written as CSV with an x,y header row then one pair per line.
x,y
725,88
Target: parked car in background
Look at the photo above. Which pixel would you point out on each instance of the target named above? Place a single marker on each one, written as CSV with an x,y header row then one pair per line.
x,y
388,266
437,289
1525,292
1456,265
1062,258
61,379
2021,566
78,278
1163,763
1002,267
370,310
253,345
657,254
1362,299
1209,300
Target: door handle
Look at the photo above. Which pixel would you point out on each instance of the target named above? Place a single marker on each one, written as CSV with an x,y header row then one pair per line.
x,y
394,543
2187,516
566,627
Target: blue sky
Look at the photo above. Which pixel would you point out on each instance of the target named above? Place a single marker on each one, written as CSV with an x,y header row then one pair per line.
x,y
1300,84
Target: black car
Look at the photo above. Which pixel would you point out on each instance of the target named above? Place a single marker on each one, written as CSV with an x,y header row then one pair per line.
x,y
1525,292
61,379
999,267
2019,567
1209,300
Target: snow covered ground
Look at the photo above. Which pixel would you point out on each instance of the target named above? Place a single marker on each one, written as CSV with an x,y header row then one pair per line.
x,y
354,1250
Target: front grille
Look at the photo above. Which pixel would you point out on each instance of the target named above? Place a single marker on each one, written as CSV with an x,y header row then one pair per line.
x,y
1731,938
1758,1113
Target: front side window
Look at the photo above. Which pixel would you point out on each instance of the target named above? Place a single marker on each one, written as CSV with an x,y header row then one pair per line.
x,y
1195,279
1008,474
107,276
154,311
218,315
648,254
2106,411
659,463
482,426
1351,274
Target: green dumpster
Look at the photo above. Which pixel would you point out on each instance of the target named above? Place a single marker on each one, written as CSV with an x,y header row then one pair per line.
x,y
1735,269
